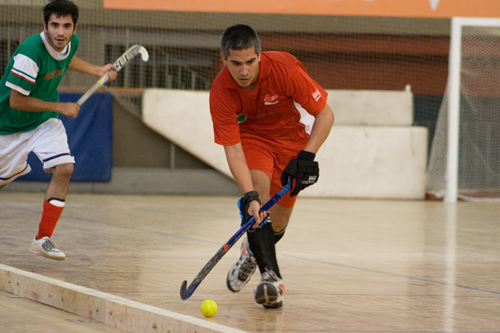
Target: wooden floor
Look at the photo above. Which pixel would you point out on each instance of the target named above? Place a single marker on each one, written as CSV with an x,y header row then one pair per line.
x,y
348,265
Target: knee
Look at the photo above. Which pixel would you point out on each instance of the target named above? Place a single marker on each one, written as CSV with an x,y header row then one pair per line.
x,y
63,171
279,223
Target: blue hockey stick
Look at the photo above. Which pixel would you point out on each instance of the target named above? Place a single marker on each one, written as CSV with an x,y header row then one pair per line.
x,y
187,292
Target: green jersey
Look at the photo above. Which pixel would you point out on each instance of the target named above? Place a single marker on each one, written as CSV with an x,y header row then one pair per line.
x,y
35,70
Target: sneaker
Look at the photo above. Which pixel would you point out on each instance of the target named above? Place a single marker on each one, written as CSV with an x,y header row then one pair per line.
x,y
240,273
270,291
45,247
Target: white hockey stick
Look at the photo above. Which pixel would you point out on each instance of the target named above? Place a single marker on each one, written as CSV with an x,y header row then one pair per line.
x,y
119,63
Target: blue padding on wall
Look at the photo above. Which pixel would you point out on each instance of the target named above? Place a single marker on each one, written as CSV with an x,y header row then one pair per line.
x,y
90,137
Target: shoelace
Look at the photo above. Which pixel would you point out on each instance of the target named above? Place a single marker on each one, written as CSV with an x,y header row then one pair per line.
x,y
247,268
272,276
49,246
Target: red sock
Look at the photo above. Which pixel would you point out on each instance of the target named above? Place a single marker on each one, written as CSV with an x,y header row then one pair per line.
x,y
50,216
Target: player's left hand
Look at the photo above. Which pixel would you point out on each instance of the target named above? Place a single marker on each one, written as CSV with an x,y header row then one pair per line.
x,y
304,171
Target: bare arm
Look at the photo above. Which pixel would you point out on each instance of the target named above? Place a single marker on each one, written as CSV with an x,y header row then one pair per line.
x,y
82,66
321,129
238,166
303,169
21,102
239,169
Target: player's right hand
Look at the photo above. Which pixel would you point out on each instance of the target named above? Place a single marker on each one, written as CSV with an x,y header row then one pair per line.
x,y
70,110
249,206
258,215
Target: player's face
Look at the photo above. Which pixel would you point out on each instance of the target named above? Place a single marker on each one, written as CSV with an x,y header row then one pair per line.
x,y
244,67
59,31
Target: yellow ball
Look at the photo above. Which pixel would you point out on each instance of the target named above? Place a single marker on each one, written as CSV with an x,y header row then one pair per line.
x,y
208,308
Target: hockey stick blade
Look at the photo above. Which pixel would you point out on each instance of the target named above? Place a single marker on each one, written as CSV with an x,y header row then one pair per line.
x,y
187,292
144,54
124,59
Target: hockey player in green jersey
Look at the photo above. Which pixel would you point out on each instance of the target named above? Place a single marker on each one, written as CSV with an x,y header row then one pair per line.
x,y
29,111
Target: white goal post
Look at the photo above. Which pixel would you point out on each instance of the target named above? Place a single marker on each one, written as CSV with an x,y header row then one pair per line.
x,y
452,107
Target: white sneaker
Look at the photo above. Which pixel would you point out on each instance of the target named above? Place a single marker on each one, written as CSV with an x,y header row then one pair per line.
x,y
240,273
45,247
270,291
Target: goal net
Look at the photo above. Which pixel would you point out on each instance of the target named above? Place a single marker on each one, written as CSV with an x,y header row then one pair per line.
x,y
464,162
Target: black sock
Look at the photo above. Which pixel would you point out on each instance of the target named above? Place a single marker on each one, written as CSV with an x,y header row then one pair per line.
x,y
279,235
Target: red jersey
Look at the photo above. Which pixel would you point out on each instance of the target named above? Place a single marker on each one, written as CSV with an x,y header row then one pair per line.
x,y
279,110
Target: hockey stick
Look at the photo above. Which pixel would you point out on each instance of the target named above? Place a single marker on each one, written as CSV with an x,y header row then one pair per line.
x,y
186,293
119,63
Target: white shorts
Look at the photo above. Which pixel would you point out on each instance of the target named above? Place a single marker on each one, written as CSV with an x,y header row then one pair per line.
x,y
49,143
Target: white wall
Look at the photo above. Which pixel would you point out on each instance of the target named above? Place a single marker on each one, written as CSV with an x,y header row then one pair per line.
x,y
372,151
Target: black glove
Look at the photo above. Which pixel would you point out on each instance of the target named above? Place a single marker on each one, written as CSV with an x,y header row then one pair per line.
x,y
243,204
304,170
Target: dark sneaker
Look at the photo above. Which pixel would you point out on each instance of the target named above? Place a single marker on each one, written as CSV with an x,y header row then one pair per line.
x,y
270,291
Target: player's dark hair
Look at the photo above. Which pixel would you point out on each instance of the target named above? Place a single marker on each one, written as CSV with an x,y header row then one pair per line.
x,y
60,8
239,37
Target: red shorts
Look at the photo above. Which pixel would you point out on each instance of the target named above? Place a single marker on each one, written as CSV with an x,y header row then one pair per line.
x,y
260,157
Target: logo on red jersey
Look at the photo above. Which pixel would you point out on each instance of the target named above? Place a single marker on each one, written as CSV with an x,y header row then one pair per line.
x,y
316,95
271,100
240,118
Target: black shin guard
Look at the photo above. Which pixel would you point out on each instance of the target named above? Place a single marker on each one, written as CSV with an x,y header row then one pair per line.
x,y
262,245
